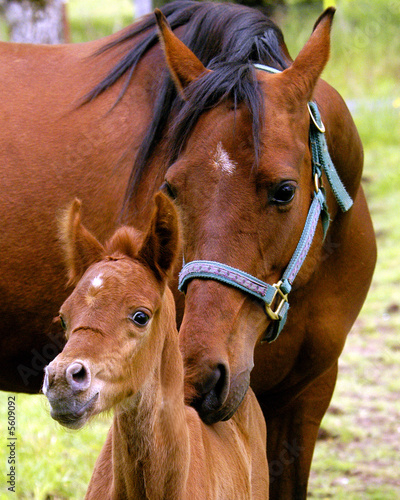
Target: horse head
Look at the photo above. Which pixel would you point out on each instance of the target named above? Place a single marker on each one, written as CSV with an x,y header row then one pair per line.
x,y
112,318
240,177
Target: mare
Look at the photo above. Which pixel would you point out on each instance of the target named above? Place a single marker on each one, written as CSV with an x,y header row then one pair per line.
x,y
232,143
123,353
73,119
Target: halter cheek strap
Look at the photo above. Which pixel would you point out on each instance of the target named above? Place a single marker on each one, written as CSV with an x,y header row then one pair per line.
x,y
275,297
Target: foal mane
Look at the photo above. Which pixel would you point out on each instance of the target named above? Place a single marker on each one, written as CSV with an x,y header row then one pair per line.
x,y
228,39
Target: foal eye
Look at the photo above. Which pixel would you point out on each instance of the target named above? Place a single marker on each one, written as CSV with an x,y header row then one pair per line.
x,y
284,193
140,318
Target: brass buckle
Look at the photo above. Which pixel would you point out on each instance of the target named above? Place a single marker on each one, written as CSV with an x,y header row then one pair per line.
x,y
282,297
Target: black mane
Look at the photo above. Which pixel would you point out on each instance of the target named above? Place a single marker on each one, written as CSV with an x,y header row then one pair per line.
x,y
227,38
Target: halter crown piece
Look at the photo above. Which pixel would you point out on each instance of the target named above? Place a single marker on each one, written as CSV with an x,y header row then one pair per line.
x,y
275,297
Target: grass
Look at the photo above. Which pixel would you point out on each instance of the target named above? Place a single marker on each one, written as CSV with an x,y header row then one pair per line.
x,y
92,19
365,46
357,455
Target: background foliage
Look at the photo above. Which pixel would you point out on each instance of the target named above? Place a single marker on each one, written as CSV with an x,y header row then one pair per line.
x,y
357,456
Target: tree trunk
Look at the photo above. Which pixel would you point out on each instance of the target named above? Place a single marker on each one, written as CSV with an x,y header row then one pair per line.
x,y
36,21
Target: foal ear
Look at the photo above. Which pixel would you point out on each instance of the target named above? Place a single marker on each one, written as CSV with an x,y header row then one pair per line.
x,y
303,74
161,244
81,248
183,65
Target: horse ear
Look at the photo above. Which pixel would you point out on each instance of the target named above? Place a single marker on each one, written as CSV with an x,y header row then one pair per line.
x,y
183,65
303,74
161,244
81,248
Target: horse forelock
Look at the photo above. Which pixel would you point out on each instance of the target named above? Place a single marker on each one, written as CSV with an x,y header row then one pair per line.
x,y
232,81
227,38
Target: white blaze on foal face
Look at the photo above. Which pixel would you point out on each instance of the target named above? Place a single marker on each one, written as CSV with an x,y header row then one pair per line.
x,y
222,162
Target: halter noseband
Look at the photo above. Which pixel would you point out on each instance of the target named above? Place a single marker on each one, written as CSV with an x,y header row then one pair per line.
x,y
275,297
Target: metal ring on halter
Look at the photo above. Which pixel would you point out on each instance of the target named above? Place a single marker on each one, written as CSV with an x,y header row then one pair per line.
x,y
321,127
317,182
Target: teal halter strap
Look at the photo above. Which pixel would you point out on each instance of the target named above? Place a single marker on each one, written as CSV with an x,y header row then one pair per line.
x,y
275,297
322,159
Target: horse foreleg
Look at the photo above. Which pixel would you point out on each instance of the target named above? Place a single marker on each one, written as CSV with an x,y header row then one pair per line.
x,y
292,433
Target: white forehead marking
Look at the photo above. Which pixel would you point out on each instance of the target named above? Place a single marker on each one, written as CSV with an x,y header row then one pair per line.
x,y
222,160
97,281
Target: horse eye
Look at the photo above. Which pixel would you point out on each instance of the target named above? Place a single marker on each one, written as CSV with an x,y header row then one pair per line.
x,y
168,190
284,193
63,323
140,318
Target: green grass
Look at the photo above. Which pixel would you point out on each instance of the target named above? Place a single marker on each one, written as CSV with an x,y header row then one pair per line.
x,y
357,457
365,45
92,19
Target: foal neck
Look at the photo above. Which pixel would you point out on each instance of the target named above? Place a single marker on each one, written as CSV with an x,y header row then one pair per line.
x,y
150,434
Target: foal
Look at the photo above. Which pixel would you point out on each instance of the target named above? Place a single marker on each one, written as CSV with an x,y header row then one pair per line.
x,y
123,353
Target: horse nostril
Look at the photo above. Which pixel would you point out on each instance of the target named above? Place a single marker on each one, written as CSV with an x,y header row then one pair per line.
x,y
215,388
222,385
78,376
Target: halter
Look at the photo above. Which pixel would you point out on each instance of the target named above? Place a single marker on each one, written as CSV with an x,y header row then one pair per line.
x,y
275,297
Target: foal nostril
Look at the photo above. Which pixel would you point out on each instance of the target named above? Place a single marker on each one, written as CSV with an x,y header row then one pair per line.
x,y
78,376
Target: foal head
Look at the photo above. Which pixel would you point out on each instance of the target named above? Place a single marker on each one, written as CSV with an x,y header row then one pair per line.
x,y
114,317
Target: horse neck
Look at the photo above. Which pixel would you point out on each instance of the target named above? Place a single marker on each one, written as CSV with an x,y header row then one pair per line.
x,y
150,432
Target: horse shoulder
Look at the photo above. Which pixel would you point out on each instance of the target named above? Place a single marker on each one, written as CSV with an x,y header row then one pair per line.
x,y
347,262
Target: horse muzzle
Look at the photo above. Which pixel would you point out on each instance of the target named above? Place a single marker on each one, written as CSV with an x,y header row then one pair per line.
x,y
220,396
